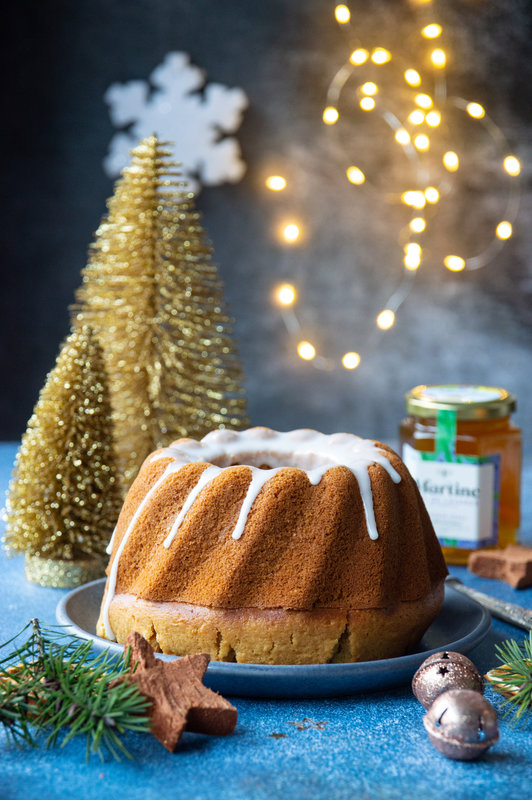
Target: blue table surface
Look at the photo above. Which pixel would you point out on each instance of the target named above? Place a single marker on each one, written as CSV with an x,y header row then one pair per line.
x,y
370,745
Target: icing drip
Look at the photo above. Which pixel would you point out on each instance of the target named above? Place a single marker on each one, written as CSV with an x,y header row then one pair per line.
x,y
109,548
364,484
111,581
258,478
309,450
206,477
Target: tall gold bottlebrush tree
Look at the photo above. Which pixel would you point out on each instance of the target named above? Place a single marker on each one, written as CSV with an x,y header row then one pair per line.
x,y
154,299
64,499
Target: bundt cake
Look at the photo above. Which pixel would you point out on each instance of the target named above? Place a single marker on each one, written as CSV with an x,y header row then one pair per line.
x,y
274,548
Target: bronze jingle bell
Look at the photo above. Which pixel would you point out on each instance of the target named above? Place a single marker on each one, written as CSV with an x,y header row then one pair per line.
x,y
461,724
443,671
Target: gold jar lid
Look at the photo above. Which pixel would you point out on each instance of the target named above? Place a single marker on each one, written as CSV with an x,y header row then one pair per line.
x,y
469,401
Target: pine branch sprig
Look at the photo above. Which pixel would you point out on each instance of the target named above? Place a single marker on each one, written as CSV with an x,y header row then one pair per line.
x,y
513,679
15,710
52,683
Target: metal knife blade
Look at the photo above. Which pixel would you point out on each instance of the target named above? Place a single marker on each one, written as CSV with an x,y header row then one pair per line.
x,y
509,612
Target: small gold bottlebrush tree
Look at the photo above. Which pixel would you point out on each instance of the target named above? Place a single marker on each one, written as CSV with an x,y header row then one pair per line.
x,y
154,299
64,498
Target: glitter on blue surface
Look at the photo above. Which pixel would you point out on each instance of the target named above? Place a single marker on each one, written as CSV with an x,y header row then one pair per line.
x,y
372,746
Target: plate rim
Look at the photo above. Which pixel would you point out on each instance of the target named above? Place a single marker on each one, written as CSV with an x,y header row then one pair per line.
x,y
410,660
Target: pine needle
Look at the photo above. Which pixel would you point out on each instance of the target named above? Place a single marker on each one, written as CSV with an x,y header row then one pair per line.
x,y
513,679
53,683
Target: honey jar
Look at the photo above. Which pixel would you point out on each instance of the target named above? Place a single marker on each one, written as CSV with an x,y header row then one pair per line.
x,y
464,452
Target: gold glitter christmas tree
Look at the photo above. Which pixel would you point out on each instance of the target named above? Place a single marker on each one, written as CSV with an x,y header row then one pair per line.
x,y
154,299
64,499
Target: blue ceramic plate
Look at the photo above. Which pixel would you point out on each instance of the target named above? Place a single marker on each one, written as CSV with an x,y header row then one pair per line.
x,y
460,626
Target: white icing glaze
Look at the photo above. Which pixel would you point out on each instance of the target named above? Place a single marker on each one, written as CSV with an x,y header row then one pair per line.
x,y
111,581
206,477
305,449
109,548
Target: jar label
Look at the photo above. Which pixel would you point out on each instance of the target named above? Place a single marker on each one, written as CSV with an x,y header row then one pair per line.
x,y
461,494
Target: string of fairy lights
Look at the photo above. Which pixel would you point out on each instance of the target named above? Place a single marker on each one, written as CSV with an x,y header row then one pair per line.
x,y
426,111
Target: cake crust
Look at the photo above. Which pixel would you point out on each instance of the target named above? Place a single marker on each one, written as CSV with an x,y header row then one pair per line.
x,y
304,547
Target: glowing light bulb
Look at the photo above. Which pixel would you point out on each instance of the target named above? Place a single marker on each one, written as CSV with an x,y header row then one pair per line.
x,y
386,319
359,56
431,31
423,100
402,136
369,88
438,58
454,263
422,142
412,77
412,258
432,195
451,161
355,175
351,360
276,183
306,351
285,294
511,165
417,225
414,198
381,56
433,118
416,117
504,230
330,115
342,14
291,232
367,104
475,110
412,263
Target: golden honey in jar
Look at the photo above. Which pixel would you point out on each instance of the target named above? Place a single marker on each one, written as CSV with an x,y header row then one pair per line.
x,y
464,452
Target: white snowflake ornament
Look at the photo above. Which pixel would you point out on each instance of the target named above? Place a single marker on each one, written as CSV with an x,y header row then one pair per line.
x,y
171,105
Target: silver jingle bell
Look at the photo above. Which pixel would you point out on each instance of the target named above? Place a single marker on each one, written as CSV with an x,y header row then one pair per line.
x,y
443,671
461,724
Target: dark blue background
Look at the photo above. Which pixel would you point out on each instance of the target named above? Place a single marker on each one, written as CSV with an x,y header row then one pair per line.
x,y
59,59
